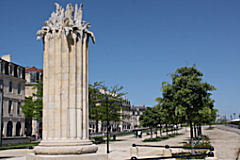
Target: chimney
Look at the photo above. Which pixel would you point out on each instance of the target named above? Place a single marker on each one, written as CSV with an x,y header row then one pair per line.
x,y
7,57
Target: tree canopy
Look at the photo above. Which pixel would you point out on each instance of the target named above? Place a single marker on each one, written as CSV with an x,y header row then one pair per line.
x,y
32,107
187,99
103,99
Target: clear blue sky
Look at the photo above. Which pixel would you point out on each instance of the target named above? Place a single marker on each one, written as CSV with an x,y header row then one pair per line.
x,y
138,42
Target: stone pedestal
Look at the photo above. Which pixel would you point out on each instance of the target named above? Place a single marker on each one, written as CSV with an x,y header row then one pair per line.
x,y
167,153
65,88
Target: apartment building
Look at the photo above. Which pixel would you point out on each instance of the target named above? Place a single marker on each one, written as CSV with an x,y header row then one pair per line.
x,y
12,78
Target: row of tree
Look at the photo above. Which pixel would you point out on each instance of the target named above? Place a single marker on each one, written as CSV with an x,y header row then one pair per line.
x,y
101,100
187,99
104,101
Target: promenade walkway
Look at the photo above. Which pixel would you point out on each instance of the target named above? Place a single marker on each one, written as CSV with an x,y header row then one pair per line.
x,y
225,141
121,150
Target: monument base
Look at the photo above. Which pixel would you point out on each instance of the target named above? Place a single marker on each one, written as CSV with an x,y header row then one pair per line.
x,y
64,150
91,156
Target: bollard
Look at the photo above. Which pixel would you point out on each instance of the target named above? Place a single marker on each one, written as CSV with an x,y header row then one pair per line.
x,y
167,146
210,154
134,150
167,152
211,148
114,137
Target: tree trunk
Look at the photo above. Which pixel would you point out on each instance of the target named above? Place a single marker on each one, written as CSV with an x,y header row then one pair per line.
x,y
160,130
200,129
151,133
176,128
96,126
195,132
156,132
167,129
191,130
28,126
191,133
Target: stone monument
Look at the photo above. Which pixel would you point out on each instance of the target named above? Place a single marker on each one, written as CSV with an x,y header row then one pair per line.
x,y
65,88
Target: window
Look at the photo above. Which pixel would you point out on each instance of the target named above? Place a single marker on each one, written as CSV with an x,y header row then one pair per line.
x,y
23,73
10,69
18,108
10,86
15,71
19,72
32,77
9,107
37,77
19,88
6,68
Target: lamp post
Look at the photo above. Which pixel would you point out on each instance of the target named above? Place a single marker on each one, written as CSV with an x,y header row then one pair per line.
x,y
1,109
107,126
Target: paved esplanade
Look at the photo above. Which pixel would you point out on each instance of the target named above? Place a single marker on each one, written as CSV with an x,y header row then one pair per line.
x,y
225,142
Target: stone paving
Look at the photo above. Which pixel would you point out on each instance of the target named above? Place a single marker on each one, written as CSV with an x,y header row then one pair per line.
x,y
121,150
225,140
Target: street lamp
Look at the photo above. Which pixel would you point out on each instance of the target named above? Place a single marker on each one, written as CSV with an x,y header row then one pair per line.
x,y
1,109
107,125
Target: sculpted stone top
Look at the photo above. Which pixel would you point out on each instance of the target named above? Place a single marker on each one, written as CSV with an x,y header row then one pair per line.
x,y
64,21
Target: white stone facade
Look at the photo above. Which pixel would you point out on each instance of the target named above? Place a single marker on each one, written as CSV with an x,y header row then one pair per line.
x,y
136,113
123,125
13,79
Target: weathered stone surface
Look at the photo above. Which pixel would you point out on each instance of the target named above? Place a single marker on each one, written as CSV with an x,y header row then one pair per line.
x,y
167,153
65,87
31,156
63,150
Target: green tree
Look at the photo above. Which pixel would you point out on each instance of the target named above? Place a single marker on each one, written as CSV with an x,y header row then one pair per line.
x,y
96,99
147,119
187,98
103,98
32,107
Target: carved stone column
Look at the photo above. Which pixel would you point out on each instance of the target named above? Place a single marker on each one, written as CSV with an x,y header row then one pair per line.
x,y
65,88
22,129
14,129
5,129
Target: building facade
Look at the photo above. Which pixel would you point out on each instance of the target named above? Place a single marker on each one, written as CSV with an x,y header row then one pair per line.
x,y
33,76
135,115
12,76
123,107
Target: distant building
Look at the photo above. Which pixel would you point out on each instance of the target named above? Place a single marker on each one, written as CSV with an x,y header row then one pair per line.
x,y
33,76
12,76
125,123
124,109
136,112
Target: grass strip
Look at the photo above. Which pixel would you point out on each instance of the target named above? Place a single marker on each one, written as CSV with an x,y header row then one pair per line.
x,y
18,146
162,138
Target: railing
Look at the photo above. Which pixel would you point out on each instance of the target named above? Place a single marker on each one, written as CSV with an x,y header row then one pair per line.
x,y
233,125
209,154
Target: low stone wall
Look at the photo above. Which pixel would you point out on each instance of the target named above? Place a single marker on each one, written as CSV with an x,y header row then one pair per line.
x,y
15,140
